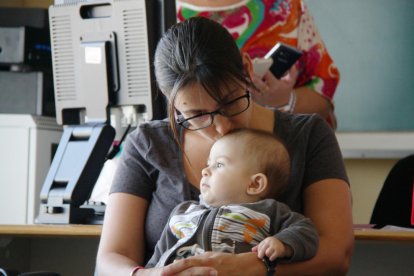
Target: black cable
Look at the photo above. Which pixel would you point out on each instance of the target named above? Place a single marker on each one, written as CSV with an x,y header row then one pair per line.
x,y
116,148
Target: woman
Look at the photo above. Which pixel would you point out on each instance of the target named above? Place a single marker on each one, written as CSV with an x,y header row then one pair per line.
x,y
256,26
207,82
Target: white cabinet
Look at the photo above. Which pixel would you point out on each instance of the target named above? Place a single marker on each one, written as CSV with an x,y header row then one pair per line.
x,y
26,148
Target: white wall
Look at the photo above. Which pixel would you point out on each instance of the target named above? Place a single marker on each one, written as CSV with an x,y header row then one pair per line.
x,y
367,177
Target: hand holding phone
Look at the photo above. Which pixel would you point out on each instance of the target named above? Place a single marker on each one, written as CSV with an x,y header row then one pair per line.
x,y
283,57
261,66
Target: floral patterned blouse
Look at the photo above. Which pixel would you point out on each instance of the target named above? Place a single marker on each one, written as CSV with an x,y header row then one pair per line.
x,y
257,25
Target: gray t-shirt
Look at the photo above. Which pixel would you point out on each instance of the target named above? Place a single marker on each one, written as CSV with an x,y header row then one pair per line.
x,y
151,166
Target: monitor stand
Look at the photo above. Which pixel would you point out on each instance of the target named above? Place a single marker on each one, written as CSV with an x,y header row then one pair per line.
x,y
73,173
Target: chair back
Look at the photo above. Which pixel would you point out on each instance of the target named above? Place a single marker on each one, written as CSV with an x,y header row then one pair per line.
x,y
395,203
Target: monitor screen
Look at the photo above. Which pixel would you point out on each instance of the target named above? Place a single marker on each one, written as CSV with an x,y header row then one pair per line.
x,y
102,55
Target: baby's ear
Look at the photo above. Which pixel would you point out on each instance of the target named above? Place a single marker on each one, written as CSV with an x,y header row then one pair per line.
x,y
258,184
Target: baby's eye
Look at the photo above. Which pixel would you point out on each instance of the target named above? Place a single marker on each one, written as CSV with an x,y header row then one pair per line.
x,y
219,165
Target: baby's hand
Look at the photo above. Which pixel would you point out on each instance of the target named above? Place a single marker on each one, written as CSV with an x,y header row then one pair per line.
x,y
272,248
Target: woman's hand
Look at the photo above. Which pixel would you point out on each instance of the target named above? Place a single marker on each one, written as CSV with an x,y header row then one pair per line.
x,y
179,269
188,266
274,92
216,263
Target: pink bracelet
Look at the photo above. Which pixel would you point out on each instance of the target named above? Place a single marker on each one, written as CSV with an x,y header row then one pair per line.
x,y
135,269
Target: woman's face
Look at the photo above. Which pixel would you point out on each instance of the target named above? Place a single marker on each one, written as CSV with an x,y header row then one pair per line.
x,y
192,100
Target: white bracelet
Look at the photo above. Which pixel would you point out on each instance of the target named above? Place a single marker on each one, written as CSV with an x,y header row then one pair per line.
x,y
289,107
292,102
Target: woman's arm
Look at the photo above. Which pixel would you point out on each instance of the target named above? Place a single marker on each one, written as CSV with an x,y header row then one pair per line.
x,y
273,92
309,101
122,243
328,204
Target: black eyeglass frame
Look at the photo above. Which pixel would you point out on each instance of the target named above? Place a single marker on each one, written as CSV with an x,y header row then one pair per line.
x,y
220,110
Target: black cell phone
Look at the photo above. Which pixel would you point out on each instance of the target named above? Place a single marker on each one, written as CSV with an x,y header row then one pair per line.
x,y
283,56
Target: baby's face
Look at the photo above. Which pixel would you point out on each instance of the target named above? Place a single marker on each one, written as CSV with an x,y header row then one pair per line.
x,y
228,173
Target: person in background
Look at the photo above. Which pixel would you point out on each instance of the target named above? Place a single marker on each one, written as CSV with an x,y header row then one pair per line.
x,y
207,82
256,26
237,212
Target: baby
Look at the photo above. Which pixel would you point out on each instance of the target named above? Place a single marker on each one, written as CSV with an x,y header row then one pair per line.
x,y
237,211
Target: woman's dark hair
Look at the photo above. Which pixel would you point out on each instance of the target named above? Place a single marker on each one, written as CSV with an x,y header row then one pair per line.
x,y
201,51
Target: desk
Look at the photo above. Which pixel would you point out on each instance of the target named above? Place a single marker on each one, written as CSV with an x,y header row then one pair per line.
x,y
66,249
383,235
45,230
382,252
71,249
94,231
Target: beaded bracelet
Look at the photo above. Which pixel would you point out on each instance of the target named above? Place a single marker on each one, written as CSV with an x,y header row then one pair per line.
x,y
135,269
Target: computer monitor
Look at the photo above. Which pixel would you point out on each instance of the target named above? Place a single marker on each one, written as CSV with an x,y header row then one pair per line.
x,y
102,54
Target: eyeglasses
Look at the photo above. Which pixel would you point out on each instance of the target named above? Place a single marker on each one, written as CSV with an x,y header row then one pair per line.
x,y
206,119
